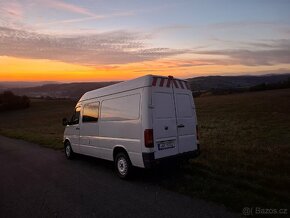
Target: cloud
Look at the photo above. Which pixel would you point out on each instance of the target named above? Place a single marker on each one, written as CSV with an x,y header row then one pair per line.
x,y
12,9
248,24
172,28
14,13
270,52
117,47
115,13
68,7
281,27
11,13
88,18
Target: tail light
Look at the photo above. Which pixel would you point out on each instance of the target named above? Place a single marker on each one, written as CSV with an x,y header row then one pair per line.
x,y
148,138
197,133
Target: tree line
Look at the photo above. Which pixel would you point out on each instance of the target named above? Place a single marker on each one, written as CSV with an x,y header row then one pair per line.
x,y
10,101
270,86
260,87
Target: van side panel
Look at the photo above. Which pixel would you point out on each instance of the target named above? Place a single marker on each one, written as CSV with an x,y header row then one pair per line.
x,y
120,125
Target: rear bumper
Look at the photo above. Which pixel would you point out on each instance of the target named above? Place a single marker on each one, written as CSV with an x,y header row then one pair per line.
x,y
150,161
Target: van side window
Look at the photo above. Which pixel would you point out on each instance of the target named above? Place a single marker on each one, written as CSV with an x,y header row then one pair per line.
x,y
76,116
91,112
123,108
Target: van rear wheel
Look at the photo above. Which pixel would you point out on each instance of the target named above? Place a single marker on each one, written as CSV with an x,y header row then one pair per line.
x,y
68,150
123,165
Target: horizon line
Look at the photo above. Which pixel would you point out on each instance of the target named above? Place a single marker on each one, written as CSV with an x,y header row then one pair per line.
x,y
94,81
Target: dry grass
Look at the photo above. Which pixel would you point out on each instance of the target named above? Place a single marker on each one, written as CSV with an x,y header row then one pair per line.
x,y
245,142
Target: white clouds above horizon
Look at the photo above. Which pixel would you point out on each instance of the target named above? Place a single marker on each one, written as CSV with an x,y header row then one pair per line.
x,y
124,47
117,47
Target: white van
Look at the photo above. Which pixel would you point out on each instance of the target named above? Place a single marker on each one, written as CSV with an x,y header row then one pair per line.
x,y
134,123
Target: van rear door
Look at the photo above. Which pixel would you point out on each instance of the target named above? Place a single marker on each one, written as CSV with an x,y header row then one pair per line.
x,y
164,120
186,117
174,117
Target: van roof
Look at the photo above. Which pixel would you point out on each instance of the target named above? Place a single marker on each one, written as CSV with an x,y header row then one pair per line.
x,y
139,82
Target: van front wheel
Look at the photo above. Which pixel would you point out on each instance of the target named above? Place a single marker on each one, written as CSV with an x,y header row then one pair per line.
x,y
68,151
123,165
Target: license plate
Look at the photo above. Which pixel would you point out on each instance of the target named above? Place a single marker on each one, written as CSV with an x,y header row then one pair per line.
x,y
165,145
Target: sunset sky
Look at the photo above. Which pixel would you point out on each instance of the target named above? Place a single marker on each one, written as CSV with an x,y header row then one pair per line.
x,y
102,40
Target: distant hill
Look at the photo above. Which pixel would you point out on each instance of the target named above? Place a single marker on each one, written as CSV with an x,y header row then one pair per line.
x,y
233,82
198,84
20,84
65,90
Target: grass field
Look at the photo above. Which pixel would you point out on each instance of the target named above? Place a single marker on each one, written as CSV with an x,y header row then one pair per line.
x,y
245,144
41,123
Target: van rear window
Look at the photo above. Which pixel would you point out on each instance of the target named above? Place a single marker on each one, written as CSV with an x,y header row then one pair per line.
x,y
184,106
122,108
163,105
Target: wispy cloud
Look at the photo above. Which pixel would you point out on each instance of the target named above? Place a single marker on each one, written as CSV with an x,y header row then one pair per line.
x,y
117,47
173,28
61,5
93,16
87,18
12,9
270,52
251,24
11,13
277,26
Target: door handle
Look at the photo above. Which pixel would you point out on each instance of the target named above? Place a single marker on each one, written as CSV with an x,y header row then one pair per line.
x,y
180,126
77,128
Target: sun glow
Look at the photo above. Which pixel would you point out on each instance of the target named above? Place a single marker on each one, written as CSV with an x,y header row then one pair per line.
x,y
19,69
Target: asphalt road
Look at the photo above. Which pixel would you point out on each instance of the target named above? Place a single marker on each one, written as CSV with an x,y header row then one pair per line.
x,y
41,182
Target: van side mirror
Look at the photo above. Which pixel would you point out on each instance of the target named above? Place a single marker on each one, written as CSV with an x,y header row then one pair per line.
x,y
65,122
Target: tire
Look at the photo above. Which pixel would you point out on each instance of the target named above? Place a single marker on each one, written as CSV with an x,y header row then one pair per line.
x,y
123,165
68,151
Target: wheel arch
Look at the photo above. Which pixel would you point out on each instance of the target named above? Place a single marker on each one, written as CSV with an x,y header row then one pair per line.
x,y
66,141
120,148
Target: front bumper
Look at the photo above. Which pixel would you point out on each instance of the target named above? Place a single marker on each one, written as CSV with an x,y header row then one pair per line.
x,y
150,161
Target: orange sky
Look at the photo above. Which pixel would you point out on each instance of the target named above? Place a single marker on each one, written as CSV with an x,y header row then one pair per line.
x,y
20,69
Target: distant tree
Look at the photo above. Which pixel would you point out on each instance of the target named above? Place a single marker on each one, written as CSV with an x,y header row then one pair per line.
x,y
269,86
260,87
9,101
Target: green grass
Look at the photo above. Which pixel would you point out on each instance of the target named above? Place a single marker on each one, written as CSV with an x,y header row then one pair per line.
x,y
245,144
41,123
